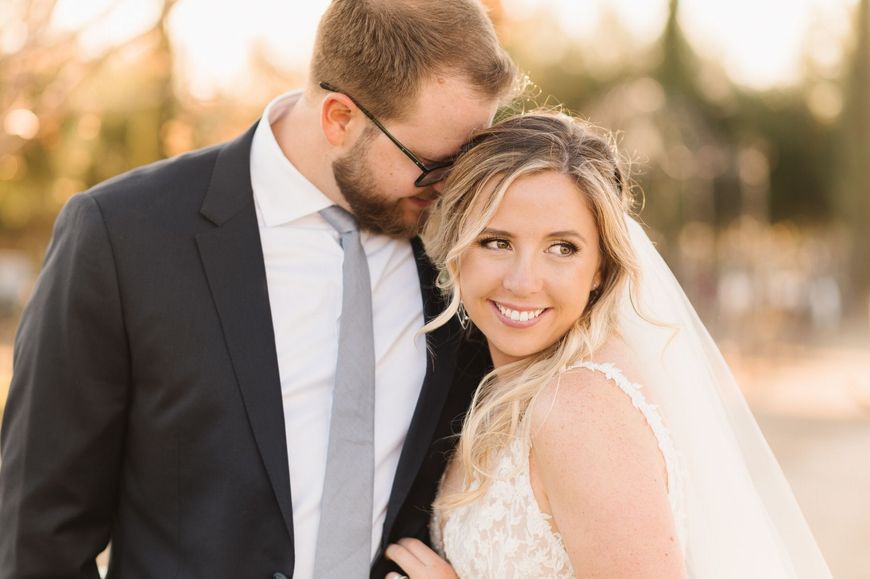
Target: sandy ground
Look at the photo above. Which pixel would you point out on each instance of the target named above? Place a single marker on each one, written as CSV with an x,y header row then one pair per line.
x,y
827,462
813,404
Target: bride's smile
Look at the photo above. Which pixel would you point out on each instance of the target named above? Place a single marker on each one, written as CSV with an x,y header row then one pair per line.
x,y
517,316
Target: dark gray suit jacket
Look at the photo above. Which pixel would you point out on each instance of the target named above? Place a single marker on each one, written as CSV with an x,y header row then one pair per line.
x,y
145,406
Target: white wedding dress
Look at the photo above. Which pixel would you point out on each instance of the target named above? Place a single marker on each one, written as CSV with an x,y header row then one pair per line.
x,y
505,535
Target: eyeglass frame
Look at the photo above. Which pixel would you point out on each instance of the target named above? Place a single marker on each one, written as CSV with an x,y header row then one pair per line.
x,y
425,170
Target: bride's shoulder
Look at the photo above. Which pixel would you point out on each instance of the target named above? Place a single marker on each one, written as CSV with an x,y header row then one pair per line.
x,y
585,399
595,400
586,378
591,426
594,452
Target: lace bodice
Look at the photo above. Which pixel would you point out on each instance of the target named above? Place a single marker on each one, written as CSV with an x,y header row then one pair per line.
x,y
505,535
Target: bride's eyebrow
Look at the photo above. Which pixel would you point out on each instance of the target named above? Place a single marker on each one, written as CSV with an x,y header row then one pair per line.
x,y
496,232
568,233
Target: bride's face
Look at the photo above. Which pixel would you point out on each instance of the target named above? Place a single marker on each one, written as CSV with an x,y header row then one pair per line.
x,y
527,277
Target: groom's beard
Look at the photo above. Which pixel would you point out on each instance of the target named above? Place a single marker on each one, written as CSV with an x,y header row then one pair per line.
x,y
372,211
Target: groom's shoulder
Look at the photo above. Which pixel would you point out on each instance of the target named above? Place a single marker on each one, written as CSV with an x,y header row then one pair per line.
x,y
177,178
170,187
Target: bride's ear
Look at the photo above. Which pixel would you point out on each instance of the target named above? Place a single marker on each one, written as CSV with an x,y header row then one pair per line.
x,y
596,281
595,290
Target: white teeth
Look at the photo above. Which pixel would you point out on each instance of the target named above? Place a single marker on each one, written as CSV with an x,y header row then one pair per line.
x,y
519,316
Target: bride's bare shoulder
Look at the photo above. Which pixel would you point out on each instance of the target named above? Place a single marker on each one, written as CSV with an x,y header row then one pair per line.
x,y
583,388
590,415
596,455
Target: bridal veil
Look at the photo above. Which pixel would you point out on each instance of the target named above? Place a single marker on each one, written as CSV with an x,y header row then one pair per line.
x,y
742,520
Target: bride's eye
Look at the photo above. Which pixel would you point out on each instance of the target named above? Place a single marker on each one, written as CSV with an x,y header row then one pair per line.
x,y
562,249
495,243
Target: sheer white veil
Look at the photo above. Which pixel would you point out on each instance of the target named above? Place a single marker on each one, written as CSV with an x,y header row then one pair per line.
x,y
741,518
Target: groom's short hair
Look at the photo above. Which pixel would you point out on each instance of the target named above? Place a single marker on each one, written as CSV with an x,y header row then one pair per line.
x,y
381,51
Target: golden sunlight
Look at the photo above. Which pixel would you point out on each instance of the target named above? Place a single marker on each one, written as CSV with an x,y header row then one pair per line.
x,y
759,43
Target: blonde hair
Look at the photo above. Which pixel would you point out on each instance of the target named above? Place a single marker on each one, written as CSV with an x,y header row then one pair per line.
x,y
381,51
498,156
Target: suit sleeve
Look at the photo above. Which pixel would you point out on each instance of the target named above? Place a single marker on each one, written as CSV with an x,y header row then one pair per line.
x,y
63,429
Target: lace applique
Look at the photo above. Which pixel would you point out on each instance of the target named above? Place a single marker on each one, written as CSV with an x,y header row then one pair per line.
x,y
505,535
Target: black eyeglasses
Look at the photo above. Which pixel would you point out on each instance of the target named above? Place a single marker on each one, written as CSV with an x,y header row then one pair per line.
x,y
430,174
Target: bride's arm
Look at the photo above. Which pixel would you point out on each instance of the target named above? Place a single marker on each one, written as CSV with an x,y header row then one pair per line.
x,y
597,464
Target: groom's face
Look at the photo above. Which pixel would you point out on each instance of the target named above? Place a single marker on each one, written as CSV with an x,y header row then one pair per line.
x,y
377,178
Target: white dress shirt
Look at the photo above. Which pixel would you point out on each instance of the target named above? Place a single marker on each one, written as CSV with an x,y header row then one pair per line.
x,y
304,275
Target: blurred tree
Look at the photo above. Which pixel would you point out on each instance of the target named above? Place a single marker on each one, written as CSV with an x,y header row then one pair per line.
x,y
678,65
72,118
854,182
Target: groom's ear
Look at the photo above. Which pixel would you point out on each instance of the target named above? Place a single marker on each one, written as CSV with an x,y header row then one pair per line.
x,y
338,119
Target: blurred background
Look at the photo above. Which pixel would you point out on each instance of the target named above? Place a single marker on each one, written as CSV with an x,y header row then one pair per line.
x,y
747,125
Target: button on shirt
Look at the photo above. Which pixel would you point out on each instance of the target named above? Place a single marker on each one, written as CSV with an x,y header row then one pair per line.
x,y
304,274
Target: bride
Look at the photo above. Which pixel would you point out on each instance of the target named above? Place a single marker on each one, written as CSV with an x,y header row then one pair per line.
x,y
610,440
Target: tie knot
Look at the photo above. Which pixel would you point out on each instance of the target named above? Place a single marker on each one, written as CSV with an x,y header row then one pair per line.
x,y
341,220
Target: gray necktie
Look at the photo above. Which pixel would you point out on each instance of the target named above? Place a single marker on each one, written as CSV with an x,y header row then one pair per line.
x,y
344,536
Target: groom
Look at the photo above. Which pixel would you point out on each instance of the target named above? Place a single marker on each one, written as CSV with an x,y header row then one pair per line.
x,y
181,375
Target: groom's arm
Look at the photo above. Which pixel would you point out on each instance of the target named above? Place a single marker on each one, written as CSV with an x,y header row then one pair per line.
x,y
63,429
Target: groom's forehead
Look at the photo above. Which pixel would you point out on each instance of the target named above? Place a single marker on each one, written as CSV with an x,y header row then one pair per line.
x,y
445,117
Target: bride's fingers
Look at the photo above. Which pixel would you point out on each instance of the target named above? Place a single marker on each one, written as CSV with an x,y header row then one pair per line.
x,y
405,559
421,551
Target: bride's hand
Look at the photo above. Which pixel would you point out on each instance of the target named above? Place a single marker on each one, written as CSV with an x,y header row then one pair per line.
x,y
418,561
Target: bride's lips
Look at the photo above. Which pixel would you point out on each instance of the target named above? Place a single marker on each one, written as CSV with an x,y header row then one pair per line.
x,y
517,323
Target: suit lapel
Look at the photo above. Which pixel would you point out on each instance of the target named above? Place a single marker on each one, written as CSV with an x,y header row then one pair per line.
x,y
443,347
232,257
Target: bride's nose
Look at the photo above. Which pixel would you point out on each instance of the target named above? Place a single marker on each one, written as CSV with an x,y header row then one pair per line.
x,y
523,277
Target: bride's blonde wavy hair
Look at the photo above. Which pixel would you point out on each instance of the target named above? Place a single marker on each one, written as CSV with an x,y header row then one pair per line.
x,y
517,147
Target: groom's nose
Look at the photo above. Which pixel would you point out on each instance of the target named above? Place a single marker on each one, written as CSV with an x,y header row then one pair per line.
x,y
438,187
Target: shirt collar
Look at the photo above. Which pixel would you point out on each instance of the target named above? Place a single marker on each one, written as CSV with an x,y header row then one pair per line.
x,y
281,192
